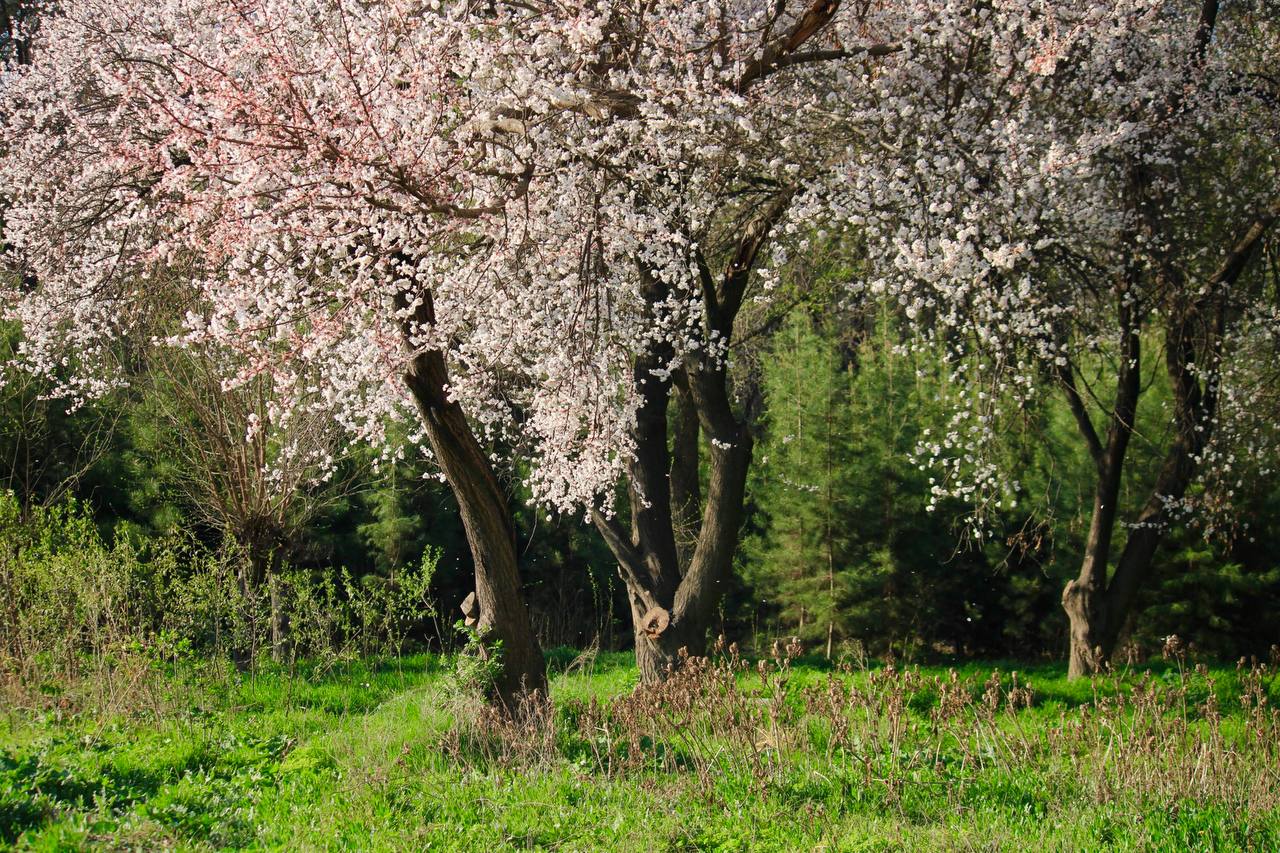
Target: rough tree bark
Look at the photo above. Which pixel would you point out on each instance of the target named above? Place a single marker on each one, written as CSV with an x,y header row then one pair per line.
x,y
679,549
487,519
672,609
677,556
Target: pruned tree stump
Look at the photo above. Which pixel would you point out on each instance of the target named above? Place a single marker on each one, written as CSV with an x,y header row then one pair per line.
x,y
470,610
654,622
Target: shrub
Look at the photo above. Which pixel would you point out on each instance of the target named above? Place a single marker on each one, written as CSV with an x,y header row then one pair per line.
x,y
79,612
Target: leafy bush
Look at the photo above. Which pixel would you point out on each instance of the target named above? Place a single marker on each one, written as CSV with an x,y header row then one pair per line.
x,y
77,610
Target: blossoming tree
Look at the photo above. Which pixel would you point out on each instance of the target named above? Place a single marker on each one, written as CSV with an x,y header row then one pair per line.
x,y
551,223
333,180
539,220
730,130
1083,184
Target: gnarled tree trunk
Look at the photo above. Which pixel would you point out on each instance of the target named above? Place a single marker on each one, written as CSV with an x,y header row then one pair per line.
x,y
678,555
487,519
674,612
675,559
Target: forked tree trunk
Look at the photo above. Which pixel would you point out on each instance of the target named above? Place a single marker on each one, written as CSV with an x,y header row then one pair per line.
x,y
1098,604
677,556
675,611
675,559
1085,598
486,517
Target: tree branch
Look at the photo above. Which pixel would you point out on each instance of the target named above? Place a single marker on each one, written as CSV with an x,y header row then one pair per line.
x,y
810,57
630,563
782,52
729,293
1066,375
1238,258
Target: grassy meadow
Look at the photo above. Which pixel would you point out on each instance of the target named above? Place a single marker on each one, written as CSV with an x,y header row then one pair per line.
x,y
785,753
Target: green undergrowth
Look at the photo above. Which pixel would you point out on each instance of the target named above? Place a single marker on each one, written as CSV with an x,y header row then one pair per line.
x,y
387,756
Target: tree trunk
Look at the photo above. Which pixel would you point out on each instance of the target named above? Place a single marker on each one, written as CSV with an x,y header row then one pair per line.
x,y
674,564
1085,598
673,604
686,486
490,530
1098,607
263,542
658,655
1098,613
1086,613
688,613
706,578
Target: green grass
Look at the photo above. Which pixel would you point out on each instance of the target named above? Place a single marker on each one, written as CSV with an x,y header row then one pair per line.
x,y
384,757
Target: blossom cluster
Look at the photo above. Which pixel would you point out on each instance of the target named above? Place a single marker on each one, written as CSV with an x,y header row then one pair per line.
x,y
343,184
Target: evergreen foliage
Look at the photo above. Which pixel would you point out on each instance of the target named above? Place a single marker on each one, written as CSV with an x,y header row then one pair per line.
x,y
844,543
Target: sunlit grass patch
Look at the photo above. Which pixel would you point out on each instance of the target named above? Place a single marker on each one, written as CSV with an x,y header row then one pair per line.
x,y
728,755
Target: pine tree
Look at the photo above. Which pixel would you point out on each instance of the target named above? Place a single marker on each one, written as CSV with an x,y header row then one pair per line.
x,y
848,548
800,559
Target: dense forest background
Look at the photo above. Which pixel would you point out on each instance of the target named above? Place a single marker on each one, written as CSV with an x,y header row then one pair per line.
x,y
843,546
